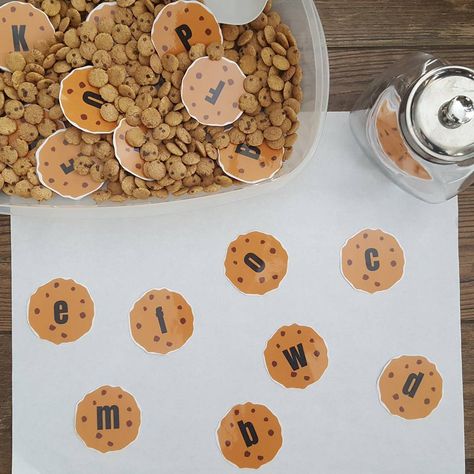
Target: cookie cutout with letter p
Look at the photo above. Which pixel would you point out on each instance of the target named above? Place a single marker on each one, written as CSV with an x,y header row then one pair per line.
x,y
249,436
372,261
410,387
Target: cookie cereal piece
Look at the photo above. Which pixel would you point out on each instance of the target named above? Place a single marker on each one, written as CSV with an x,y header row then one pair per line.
x,y
251,164
61,311
372,261
211,91
410,387
256,263
250,435
108,419
25,28
182,24
296,356
161,321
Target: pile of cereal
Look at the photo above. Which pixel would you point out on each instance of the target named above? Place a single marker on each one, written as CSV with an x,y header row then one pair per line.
x,y
109,99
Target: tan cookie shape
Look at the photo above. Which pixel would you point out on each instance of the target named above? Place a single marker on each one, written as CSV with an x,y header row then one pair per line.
x,y
211,90
296,356
410,387
55,168
183,24
251,164
81,102
391,140
108,419
372,261
161,321
236,12
61,311
103,10
250,435
128,156
256,263
24,28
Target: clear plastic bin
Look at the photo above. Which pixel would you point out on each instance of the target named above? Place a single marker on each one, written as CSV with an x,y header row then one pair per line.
x,y
302,17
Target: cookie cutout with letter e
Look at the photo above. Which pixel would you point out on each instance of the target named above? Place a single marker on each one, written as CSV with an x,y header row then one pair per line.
x,y
61,311
211,90
296,356
256,263
410,387
251,164
161,321
55,167
249,436
81,102
103,10
24,28
108,419
181,25
236,12
372,261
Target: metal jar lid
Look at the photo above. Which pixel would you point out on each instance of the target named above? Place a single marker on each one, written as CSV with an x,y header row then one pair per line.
x,y
437,116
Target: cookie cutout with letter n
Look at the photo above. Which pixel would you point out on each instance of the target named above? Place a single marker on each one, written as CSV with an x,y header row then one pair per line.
x,y
296,356
251,164
108,419
211,90
183,24
61,311
256,263
410,387
24,28
81,102
161,321
372,261
249,436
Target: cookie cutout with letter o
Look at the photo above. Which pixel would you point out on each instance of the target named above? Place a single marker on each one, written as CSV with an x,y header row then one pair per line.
x,y
61,311
103,10
236,12
372,261
183,24
211,90
108,419
410,387
256,263
24,28
161,321
249,436
81,102
251,164
55,167
296,356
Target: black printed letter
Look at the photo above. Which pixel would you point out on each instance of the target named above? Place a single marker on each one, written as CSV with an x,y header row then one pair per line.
x,y
108,412
60,312
414,382
254,262
296,357
248,433
370,260
184,34
19,41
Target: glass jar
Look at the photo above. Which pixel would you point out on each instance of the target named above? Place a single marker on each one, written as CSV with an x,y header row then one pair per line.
x,y
416,121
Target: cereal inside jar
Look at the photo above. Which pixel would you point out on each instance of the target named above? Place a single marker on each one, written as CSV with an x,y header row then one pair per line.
x,y
143,99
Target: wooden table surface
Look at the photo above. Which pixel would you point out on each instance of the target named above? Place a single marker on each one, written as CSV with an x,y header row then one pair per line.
x,y
363,36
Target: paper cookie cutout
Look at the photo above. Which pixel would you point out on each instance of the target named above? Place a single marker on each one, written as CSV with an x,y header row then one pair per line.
x,y
161,321
249,436
181,25
211,90
61,311
256,263
251,164
55,167
81,102
296,356
108,419
236,12
128,156
410,387
24,28
372,261
391,141
103,10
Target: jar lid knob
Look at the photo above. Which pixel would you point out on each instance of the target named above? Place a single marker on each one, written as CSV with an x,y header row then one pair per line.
x,y
458,111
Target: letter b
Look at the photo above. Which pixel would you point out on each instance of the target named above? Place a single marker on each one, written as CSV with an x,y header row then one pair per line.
x,y
248,433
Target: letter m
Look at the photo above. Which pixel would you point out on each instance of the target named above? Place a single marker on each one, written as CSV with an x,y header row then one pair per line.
x,y
106,416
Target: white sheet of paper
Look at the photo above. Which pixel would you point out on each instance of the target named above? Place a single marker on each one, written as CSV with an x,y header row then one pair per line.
x,y
337,425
